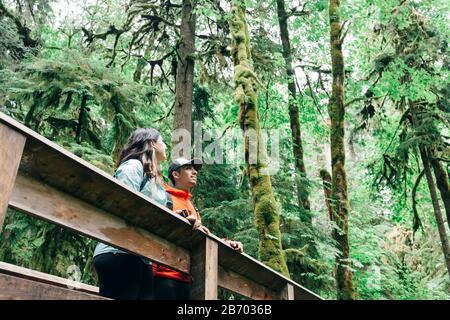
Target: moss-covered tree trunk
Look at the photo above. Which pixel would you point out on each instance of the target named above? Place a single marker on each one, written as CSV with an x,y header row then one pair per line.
x,y
339,196
297,146
267,216
185,70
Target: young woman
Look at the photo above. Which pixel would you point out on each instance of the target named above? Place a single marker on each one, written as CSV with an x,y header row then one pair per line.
x,y
122,275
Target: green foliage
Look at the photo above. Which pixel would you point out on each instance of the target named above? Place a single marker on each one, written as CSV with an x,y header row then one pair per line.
x,y
217,183
53,87
395,52
11,48
46,247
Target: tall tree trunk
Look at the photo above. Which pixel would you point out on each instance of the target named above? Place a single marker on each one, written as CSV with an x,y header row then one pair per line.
x,y
326,182
442,183
433,194
297,147
339,202
436,207
267,216
185,70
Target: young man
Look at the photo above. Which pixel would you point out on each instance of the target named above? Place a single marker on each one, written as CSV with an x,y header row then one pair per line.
x,y
170,284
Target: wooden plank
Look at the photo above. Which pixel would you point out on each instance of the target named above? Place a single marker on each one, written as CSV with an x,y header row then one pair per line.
x,y
234,282
250,268
254,270
14,288
301,293
204,271
32,197
11,148
287,293
29,274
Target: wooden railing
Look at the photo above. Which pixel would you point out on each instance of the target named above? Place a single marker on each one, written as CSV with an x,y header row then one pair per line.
x,y
41,179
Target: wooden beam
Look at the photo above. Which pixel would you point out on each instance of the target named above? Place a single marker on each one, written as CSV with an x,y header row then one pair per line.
x,y
301,293
11,149
37,199
250,268
14,288
234,282
287,293
204,270
29,274
254,270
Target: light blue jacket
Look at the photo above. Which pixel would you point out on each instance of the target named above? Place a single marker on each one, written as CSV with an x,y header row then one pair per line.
x,y
131,172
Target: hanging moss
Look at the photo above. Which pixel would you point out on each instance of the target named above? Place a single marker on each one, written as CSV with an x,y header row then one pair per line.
x,y
40,83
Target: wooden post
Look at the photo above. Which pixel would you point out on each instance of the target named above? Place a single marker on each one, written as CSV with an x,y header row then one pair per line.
x,y
11,149
287,293
204,269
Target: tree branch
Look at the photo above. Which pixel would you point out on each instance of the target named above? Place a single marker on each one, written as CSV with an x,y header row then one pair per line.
x,y
298,13
313,68
167,114
159,19
90,36
22,29
313,96
345,33
416,220
363,98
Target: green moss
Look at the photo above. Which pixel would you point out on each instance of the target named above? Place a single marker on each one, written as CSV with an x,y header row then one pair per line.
x,y
266,213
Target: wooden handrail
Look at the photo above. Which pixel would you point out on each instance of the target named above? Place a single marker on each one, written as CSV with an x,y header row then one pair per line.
x,y
46,181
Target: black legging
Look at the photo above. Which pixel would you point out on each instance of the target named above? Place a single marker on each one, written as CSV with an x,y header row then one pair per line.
x,y
124,276
169,289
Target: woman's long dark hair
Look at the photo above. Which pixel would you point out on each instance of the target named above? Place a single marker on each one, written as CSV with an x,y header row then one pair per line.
x,y
139,146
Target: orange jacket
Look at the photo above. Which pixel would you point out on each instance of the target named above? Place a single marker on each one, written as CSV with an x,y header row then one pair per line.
x,y
181,200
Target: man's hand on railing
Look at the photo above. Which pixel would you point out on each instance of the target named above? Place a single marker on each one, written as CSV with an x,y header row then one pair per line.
x,y
194,221
197,224
236,245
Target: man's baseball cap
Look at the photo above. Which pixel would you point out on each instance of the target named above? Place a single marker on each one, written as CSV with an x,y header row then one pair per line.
x,y
180,162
